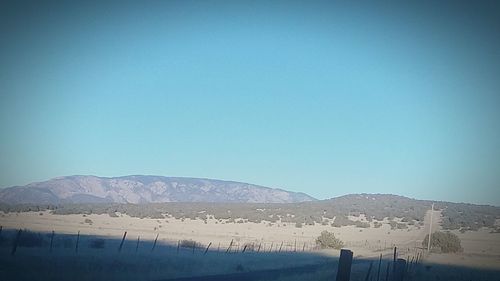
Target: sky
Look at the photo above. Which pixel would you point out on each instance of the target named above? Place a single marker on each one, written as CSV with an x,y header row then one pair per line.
x,y
322,97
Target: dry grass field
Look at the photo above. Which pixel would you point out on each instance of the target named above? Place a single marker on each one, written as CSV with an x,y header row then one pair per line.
x,y
297,244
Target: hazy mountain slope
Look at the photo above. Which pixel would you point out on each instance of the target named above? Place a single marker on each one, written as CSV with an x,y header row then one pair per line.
x,y
144,189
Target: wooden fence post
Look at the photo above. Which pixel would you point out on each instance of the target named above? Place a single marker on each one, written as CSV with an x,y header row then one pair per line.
x,y
344,268
258,250
229,248
121,243
281,246
394,261
244,248
137,245
51,241
178,245
77,241
194,246
14,246
206,250
304,247
154,243
271,248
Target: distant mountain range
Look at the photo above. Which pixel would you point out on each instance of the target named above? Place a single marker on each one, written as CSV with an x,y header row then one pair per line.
x,y
195,196
144,189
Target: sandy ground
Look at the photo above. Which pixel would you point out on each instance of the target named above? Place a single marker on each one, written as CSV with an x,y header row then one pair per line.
x,y
481,248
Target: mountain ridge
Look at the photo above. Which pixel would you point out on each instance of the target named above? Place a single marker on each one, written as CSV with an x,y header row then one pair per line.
x,y
144,189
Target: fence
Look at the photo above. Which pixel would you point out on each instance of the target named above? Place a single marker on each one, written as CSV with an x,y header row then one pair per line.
x,y
24,238
401,268
236,245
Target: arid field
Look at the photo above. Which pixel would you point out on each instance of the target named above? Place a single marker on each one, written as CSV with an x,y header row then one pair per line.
x,y
265,241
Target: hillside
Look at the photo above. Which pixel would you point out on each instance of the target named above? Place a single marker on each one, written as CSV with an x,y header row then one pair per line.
x,y
144,189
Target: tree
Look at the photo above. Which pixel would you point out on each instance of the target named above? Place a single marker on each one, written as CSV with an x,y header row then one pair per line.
x,y
447,242
328,240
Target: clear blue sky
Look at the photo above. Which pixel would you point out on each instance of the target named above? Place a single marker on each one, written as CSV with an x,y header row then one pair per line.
x,y
326,98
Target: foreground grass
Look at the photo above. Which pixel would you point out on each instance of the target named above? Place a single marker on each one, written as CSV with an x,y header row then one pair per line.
x,y
164,263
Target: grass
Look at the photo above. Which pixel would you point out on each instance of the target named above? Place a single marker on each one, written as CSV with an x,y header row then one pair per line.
x,y
102,261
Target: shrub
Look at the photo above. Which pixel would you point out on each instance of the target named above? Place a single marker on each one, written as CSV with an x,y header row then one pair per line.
x,y
112,214
447,242
89,221
190,244
298,224
401,225
309,220
328,240
393,225
96,243
361,224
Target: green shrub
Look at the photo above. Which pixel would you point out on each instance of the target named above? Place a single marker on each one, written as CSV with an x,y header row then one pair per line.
x,y
393,225
361,224
401,226
342,221
447,242
190,244
328,240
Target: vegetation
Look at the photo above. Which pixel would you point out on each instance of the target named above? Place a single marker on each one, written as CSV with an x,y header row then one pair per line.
x,y
375,207
190,244
362,224
469,216
327,240
446,242
342,220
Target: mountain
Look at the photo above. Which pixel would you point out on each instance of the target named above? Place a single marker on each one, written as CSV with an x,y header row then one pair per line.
x,y
144,189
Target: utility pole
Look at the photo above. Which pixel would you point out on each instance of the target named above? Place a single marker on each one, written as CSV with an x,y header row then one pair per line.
x,y
430,230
